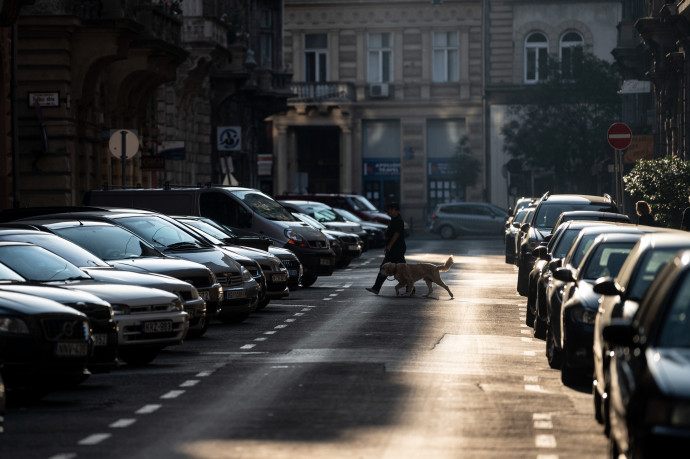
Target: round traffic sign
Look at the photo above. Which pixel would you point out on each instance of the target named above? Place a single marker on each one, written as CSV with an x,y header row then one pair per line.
x,y
619,136
122,139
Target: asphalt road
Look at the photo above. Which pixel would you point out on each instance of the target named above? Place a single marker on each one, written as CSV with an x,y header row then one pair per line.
x,y
334,371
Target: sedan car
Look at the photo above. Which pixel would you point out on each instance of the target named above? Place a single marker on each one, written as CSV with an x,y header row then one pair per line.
x,y
347,246
650,369
454,219
620,297
580,302
42,343
148,319
512,229
80,242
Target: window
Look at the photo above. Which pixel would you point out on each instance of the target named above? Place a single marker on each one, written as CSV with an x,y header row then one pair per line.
x,y
381,139
570,52
380,58
266,50
446,64
315,53
536,52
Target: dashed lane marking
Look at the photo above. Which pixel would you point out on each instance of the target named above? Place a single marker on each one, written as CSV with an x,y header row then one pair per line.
x,y
247,346
94,439
147,409
190,383
172,394
122,423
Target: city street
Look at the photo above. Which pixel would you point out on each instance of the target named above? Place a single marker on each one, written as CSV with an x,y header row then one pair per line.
x,y
334,371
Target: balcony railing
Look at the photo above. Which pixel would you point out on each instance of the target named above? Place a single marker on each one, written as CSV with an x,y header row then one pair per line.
x,y
322,92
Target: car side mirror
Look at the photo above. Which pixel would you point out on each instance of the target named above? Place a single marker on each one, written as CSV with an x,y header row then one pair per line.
x,y
524,228
547,238
606,286
619,332
541,253
564,275
554,264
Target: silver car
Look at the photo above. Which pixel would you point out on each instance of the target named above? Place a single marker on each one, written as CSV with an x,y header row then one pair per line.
x,y
454,219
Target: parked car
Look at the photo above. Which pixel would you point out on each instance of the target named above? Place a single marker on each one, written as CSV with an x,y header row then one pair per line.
x,y
328,217
347,246
512,228
80,242
42,343
99,312
520,204
549,207
376,231
148,319
355,203
650,369
3,402
620,297
454,219
248,211
555,292
580,302
275,274
591,215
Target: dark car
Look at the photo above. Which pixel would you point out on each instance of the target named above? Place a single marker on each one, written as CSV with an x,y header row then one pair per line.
x,y
376,231
453,219
131,261
240,290
580,302
556,290
347,246
620,297
512,228
591,215
43,343
355,203
548,209
99,312
650,369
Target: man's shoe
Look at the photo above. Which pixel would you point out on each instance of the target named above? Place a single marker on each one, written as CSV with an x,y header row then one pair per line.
x,y
372,290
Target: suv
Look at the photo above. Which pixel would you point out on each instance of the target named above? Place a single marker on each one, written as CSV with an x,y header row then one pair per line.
x,y
548,209
453,219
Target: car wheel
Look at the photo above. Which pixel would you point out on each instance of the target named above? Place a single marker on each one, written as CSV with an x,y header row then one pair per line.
x,y
568,373
529,317
553,355
137,357
308,279
447,232
522,279
613,452
539,325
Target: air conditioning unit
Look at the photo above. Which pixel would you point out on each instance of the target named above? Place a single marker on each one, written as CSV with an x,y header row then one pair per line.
x,y
378,90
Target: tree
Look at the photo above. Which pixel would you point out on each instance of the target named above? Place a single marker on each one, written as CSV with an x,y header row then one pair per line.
x,y
665,184
465,168
559,125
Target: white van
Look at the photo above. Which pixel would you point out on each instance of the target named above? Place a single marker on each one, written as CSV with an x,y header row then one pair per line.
x,y
248,211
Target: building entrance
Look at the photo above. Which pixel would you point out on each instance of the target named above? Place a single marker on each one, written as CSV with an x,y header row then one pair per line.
x,y
318,159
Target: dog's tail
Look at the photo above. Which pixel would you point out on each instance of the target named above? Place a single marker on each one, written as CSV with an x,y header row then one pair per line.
x,y
446,266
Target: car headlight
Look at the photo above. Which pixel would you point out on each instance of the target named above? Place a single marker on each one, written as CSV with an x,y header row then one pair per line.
x,y
120,309
675,413
295,238
246,275
582,315
13,325
194,293
176,305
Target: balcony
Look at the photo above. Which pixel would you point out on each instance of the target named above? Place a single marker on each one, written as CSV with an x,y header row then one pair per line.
x,y
322,92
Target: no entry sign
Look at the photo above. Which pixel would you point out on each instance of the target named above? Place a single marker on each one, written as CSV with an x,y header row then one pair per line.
x,y
619,136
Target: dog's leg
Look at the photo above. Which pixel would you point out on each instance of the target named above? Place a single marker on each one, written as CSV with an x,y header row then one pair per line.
x,y
429,285
398,287
442,284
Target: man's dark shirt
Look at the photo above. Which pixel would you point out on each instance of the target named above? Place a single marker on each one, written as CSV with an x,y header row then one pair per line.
x,y
396,225
686,219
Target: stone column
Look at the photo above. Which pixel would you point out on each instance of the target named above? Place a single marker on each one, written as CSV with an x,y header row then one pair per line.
x,y
280,160
346,160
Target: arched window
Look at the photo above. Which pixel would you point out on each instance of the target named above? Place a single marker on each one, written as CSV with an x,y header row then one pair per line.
x,y
570,52
536,53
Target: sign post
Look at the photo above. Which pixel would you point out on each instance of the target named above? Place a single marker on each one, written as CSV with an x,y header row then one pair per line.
x,y
619,136
123,144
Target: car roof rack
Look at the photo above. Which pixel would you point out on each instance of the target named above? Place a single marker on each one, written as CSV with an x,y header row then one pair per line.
x,y
545,196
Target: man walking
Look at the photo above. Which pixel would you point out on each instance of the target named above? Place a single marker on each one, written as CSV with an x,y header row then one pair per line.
x,y
395,244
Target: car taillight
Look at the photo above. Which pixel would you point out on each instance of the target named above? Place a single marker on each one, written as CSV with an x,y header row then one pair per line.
x,y
433,216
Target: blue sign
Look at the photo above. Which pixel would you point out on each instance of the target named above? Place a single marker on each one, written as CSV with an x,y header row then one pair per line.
x,y
439,168
381,168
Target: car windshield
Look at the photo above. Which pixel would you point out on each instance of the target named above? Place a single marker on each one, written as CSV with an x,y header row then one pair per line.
x,y
606,260
347,215
309,221
207,228
675,327
159,232
38,264
108,242
64,248
548,213
580,250
520,216
361,203
323,214
564,242
647,269
263,205
6,274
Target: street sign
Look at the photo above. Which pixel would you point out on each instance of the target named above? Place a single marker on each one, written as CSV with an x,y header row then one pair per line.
x,y
619,136
123,143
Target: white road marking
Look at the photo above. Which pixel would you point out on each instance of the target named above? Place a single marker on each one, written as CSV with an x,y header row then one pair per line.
x,y
190,383
290,320
333,294
526,340
531,378
280,326
529,353
271,332
203,374
147,409
247,346
94,439
545,441
532,388
172,394
261,338
298,314
543,425
326,299
121,423
64,456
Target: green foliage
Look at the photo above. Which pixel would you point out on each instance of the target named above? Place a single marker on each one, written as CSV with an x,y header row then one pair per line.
x,y
464,166
560,124
665,184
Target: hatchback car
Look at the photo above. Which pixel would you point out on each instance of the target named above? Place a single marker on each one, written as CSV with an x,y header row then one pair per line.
x,y
454,219
148,319
650,369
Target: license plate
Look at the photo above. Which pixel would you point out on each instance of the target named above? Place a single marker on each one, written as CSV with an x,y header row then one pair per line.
x,y
325,262
353,247
205,295
293,273
160,326
278,278
100,339
71,349
233,294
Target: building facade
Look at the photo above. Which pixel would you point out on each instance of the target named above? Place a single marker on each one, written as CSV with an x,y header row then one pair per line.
x,y
385,91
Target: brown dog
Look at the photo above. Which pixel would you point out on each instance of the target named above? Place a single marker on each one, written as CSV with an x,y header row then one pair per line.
x,y
408,273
